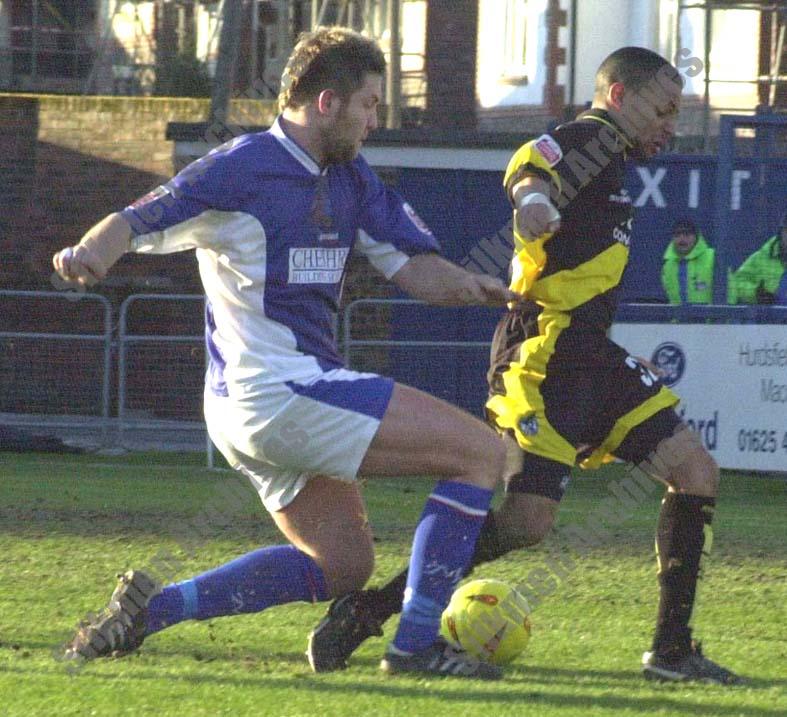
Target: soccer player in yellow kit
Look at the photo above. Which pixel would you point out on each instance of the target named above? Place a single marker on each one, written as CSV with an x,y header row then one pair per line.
x,y
559,387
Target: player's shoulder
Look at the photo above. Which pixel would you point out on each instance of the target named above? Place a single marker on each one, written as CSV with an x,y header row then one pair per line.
x,y
361,167
359,174
234,155
574,133
240,145
550,147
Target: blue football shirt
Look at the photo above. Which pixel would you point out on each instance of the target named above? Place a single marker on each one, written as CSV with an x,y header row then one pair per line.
x,y
273,232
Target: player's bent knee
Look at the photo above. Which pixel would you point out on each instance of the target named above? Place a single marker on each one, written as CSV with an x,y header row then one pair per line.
x,y
421,435
538,528
482,465
698,475
683,462
523,535
707,474
524,519
481,457
490,467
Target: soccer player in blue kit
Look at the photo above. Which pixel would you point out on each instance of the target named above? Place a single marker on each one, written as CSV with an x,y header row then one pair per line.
x,y
273,217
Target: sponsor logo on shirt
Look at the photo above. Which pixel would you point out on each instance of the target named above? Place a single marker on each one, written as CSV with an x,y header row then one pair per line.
x,y
317,264
622,233
549,149
622,198
415,219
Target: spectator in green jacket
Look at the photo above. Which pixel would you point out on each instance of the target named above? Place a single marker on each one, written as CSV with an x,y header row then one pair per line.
x,y
687,272
762,278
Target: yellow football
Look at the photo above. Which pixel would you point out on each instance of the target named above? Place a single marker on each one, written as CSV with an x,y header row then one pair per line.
x,y
488,619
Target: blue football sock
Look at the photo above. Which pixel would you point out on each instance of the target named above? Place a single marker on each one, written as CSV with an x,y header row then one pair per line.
x,y
442,548
255,581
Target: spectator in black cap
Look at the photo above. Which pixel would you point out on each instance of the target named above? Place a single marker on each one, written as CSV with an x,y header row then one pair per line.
x,y
687,272
762,278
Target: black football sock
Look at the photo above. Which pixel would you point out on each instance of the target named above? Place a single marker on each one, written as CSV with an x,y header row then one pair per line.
x,y
684,533
387,600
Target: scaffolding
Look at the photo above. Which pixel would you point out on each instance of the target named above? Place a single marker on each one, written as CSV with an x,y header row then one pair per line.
x,y
380,19
45,43
770,80
127,63
118,46
138,38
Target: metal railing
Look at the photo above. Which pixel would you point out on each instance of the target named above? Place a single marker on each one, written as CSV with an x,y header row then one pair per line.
x,y
58,352
33,383
156,389
348,342
702,313
422,346
633,312
455,370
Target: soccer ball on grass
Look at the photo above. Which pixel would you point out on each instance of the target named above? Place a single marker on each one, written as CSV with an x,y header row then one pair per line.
x,y
488,619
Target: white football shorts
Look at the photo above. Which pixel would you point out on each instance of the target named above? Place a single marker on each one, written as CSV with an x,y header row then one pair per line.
x,y
291,431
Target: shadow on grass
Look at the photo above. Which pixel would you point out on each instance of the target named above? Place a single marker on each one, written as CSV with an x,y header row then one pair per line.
x,y
38,523
592,678
516,689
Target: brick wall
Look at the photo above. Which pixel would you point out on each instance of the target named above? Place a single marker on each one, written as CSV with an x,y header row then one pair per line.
x,y
451,36
68,161
18,133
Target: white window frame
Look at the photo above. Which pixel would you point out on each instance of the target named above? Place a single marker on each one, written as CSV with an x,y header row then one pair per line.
x,y
515,65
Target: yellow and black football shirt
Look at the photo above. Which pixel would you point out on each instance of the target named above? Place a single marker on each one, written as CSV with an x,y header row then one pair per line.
x,y
556,381
579,267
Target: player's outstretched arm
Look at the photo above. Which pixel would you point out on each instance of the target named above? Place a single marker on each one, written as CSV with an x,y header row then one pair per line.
x,y
89,261
435,280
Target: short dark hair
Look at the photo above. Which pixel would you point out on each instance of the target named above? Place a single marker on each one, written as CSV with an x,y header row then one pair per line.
x,y
684,226
634,67
334,57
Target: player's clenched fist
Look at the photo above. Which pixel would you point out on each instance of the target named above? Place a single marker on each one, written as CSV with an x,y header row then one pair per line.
x,y
534,213
89,261
79,265
535,216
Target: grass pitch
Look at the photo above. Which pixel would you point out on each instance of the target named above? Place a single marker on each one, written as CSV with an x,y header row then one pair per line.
x,y
68,524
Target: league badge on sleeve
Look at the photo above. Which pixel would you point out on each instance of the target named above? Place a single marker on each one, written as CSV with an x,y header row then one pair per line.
x,y
549,149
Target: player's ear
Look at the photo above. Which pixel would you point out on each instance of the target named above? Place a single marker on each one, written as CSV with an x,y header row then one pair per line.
x,y
615,95
327,101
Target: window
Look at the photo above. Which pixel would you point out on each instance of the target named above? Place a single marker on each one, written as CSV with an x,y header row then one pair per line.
x,y
515,46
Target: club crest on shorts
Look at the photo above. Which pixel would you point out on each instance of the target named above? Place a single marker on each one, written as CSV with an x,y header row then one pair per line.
x,y
528,424
671,359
